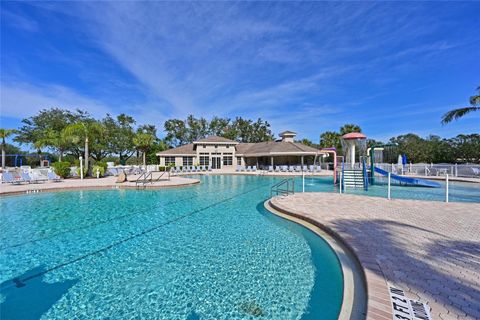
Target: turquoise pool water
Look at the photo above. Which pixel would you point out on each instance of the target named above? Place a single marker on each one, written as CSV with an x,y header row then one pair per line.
x,y
209,251
458,191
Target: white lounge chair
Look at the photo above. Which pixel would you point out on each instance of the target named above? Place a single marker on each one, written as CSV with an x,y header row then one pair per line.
x,y
291,169
52,176
249,168
209,168
238,169
9,178
311,168
254,168
270,168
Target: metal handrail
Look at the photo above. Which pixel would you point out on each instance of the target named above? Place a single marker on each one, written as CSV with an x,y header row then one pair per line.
x,y
145,180
276,188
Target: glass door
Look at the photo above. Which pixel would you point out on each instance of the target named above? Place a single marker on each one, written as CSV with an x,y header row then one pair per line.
x,y
216,162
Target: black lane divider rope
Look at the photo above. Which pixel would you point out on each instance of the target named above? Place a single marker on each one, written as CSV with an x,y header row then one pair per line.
x,y
97,223
21,282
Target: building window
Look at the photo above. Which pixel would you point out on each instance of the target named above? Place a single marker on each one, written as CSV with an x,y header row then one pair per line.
x,y
188,161
169,160
228,146
239,161
204,146
227,160
204,160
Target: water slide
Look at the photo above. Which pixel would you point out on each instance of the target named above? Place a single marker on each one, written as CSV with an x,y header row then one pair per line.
x,y
409,181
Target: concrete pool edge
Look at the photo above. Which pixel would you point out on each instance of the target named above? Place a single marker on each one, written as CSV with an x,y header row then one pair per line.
x,y
354,302
57,187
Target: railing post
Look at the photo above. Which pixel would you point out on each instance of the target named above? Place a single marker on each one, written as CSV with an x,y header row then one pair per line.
x,y
446,188
341,178
456,170
389,187
303,180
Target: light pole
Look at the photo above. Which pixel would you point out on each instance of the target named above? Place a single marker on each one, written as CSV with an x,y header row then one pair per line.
x,y
81,167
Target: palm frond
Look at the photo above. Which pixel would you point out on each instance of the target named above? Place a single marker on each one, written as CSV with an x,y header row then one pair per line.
x,y
457,113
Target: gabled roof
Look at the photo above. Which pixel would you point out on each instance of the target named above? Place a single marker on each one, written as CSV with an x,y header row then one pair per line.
x,y
274,148
215,139
287,133
186,149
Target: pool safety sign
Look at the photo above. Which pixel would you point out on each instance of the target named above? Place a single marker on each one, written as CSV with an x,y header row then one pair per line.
x,y
405,308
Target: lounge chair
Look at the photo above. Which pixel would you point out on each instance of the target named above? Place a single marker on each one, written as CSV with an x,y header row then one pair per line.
x,y
270,168
249,168
305,168
9,178
52,176
209,168
311,168
291,169
242,168
254,168
237,169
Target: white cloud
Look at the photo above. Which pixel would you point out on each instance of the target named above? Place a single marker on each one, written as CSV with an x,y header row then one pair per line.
x,y
24,100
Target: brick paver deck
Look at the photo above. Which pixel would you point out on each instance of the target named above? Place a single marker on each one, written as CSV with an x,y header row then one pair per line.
x,y
429,249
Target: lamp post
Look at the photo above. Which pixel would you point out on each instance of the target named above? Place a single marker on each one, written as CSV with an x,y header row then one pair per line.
x,y
81,167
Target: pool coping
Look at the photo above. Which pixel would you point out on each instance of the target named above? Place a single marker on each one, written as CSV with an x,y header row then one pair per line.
x,y
354,301
97,187
377,299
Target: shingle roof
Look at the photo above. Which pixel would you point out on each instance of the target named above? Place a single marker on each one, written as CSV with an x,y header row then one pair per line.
x,y
273,147
251,149
185,149
213,139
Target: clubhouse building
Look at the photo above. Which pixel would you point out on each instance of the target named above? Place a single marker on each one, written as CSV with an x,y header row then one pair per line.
x,y
219,152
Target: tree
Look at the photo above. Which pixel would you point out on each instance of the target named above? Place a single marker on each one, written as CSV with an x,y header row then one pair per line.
x,y
5,133
144,140
177,133
460,112
44,130
348,128
119,136
219,126
83,131
330,139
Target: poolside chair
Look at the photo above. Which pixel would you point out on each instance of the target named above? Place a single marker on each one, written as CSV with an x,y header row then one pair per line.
x,y
270,168
209,168
249,168
254,168
52,176
26,177
297,169
237,169
305,168
9,178
291,169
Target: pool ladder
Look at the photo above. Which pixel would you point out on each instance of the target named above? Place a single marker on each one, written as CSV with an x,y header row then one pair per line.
x,y
284,187
147,177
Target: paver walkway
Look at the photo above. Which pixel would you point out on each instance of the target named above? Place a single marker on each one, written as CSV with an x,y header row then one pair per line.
x,y
429,249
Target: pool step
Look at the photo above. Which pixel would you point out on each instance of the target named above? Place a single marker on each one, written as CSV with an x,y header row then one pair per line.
x,y
353,178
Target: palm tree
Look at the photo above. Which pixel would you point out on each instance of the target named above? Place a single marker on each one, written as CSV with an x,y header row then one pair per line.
x,y
5,133
144,141
82,131
460,112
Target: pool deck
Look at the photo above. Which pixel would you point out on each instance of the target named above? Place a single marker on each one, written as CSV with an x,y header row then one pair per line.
x,y
92,183
429,249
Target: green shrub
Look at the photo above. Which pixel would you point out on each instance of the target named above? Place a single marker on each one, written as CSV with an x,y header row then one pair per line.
x,y
100,169
62,169
84,172
102,164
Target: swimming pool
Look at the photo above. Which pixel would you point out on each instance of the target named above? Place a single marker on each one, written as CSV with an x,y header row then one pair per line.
x,y
209,251
458,191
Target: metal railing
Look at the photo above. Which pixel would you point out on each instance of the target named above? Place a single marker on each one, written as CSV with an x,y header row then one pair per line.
x,y
284,187
433,169
147,177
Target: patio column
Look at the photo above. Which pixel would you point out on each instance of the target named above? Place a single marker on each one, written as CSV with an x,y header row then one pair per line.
x,y
271,160
302,162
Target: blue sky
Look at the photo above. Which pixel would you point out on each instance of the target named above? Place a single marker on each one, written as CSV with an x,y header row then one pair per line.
x,y
390,67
